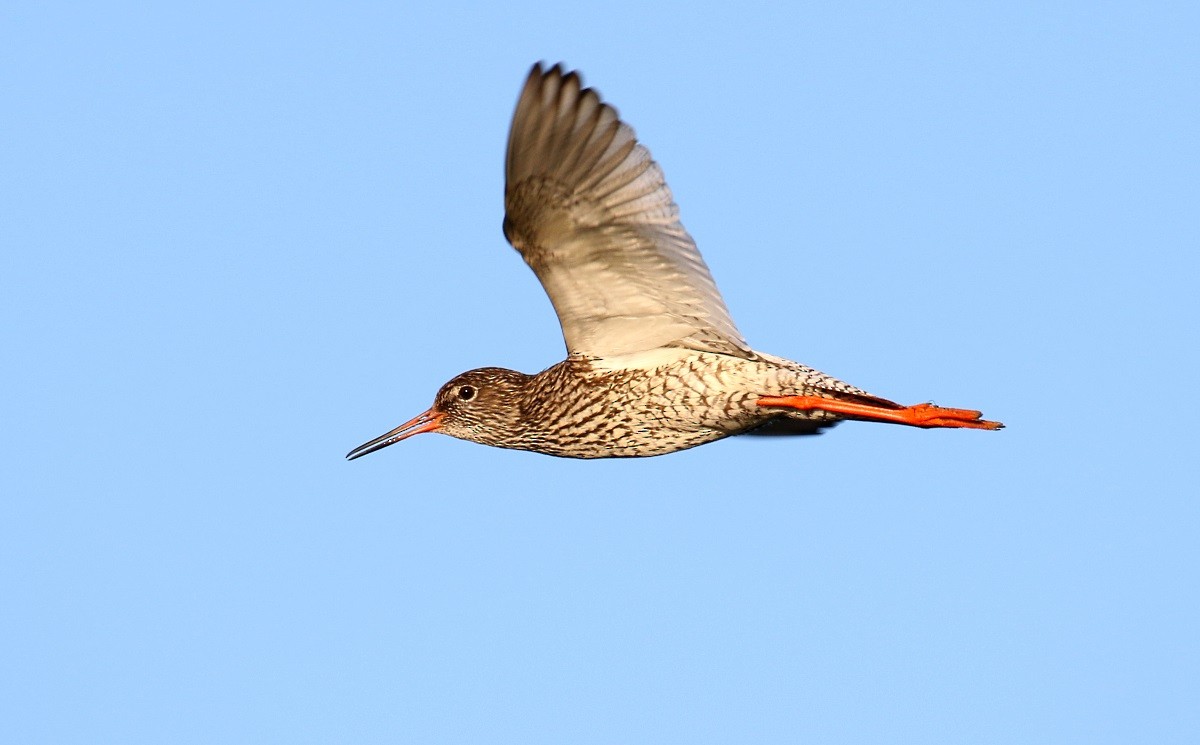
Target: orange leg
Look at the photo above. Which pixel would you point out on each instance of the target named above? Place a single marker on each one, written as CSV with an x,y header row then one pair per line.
x,y
921,415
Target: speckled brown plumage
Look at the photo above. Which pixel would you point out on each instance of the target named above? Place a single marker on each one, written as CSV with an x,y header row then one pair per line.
x,y
576,410
655,362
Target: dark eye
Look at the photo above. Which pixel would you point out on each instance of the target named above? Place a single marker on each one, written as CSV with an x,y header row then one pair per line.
x,y
466,393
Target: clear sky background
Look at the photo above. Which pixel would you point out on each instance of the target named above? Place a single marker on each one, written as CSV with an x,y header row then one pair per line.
x,y
239,240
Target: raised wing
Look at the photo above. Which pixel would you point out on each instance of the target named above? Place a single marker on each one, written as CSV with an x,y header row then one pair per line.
x,y
591,214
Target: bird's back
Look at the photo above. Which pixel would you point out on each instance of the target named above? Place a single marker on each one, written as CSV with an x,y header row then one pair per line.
x,y
583,408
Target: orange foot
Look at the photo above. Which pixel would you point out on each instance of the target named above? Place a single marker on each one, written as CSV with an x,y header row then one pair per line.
x,y
921,415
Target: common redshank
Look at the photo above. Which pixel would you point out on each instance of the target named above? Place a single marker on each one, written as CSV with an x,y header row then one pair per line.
x,y
654,362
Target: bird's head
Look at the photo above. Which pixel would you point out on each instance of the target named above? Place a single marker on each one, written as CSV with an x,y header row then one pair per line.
x,y
479,405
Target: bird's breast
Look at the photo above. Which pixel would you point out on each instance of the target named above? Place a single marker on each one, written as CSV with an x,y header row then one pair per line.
x,y
578,410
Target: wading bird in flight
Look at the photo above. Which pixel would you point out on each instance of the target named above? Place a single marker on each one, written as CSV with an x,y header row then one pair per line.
x,y
654,362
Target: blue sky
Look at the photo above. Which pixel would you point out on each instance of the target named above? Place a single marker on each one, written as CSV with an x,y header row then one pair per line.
x,y
240,240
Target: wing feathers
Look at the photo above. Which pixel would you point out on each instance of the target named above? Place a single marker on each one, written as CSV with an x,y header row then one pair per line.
x,y
591,213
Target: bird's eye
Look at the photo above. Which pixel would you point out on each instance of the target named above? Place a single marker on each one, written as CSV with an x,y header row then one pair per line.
x,y
466,393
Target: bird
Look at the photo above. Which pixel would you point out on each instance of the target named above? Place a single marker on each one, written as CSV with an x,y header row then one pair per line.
x,y
654,361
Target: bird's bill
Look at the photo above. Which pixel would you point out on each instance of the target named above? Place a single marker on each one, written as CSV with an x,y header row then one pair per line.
x,y
430,421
